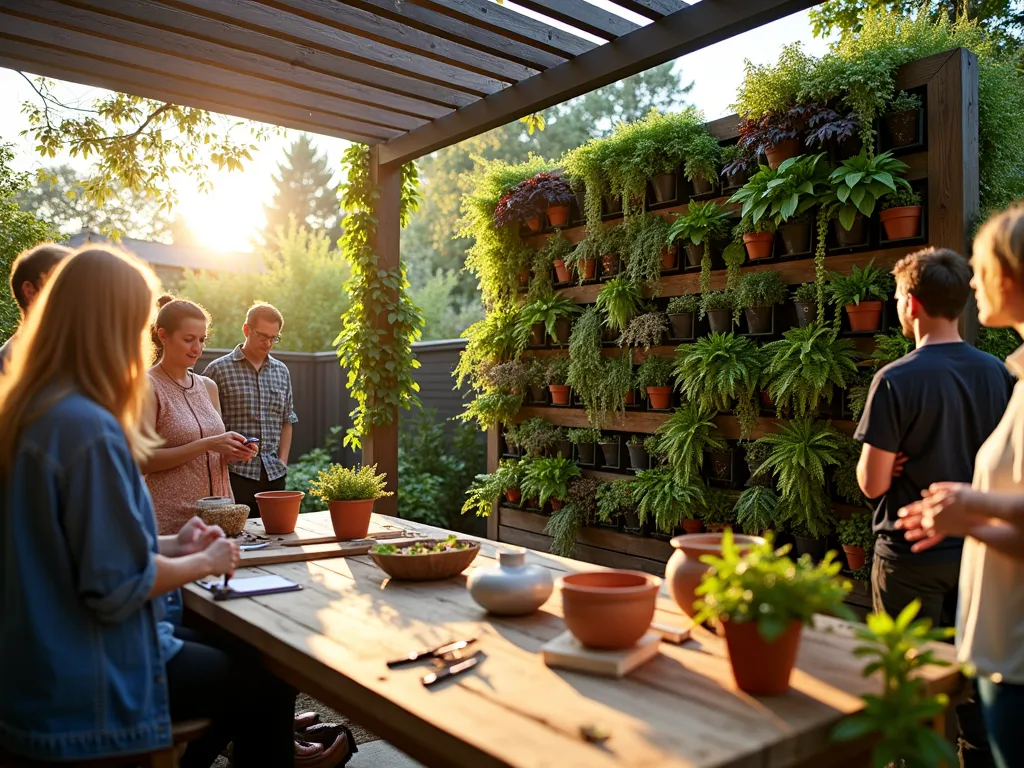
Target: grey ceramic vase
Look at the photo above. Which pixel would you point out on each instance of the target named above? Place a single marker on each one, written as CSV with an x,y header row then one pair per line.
x,y
512,588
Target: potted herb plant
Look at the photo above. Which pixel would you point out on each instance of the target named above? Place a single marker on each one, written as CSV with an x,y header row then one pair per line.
x,y
487,489
755,510
758,239
719,307
552,314
558,372
686,436
646,330
510,377
719,511
901,214
654,380
583,258
758,294
681,311
614,502
856,187
610,243
903,119
555,252
737,166
349,494
536,436
806,365
805,298
561,446
856,538
757,454
703,158
667,499
762,599
721,371
862,293
638,458
620,301
536,379
698,229
580,509
609,445
584,440
547,479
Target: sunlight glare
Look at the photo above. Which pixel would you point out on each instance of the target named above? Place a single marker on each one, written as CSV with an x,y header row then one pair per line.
x,y
229,216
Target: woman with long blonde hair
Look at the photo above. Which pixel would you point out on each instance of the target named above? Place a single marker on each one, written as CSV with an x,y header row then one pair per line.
x,y
89,668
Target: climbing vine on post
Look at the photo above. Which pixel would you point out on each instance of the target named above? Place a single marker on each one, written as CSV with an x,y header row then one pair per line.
x,y
377,354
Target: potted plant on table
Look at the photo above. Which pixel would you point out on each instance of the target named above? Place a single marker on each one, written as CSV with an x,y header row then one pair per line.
x,y
558,374
805,298
646,331
719,306
856,538
805,367
638,458
862,293
487,489
719,511
681,311
666,499
349,494
762,599
758,294
547,479
551,313
855,188
654,380
901,214
903,118
686,436
697,231
584,440
620,301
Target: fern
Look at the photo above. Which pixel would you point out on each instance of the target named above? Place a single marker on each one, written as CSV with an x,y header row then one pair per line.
x,y
689,432
845,474
666,498
722,371
806,365
755,510
891,347
620,301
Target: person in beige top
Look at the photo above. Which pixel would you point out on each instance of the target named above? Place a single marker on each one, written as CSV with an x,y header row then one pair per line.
x,y
990,511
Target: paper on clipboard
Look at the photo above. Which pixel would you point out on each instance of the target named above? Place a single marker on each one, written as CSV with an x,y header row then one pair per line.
x,y
250,585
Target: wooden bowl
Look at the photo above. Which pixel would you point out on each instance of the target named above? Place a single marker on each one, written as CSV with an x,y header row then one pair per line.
x,y
230,518
429,567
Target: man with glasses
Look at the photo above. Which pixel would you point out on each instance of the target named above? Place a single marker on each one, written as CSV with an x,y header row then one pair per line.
x,y
256,400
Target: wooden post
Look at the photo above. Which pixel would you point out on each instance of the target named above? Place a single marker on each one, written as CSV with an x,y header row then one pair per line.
x,y
380,444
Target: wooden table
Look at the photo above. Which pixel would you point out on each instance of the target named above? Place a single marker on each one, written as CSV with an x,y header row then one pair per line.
x,y
681,710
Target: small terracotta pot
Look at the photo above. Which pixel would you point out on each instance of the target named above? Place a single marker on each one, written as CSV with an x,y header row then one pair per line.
x,y
693,526
759,319
903,127
558,215
638,458
761,668
531,504
852,237
796,237
630,398
759,244
559,394
563,327
694,254
562,271
524,277
351,519
611,204
660,398
610,453
901,223
855,557
589,268
720,320
806,312
777,153
685,570
534,224
585,453
609,610
664,186
682,325
668,258
513,495
556,504
702,186
610,264
866,316
279,510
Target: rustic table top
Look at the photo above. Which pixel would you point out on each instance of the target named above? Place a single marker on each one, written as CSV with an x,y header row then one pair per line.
x,y
681,710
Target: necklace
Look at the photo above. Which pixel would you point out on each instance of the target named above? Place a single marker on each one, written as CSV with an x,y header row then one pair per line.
x,y
173,380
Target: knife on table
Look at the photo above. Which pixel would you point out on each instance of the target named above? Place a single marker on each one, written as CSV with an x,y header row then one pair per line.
x,y
438,652
452,670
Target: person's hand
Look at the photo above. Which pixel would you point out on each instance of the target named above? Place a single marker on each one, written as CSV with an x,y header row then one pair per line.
x,y
947,509
231,446
223,556
898,464
195,536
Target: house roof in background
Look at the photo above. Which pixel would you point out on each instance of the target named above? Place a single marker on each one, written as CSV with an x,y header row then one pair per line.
x,y
177,256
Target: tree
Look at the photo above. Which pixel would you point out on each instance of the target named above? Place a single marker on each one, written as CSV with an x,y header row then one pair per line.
x,y
445,315
59,198
18,230
304,192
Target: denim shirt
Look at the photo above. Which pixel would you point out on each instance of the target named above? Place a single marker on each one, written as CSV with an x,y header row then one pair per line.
x,y
82,647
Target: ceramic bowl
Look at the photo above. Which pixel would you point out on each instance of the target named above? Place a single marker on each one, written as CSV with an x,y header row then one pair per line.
x,y
609,610
428,567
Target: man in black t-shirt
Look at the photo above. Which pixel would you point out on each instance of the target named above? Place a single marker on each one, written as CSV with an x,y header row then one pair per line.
x,y
927,415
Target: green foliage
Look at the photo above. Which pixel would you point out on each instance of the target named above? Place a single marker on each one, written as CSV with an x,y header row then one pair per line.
x,y
304,470
845,475
901,715
784,193
580,508
536,435
755,510
586,165
805,366
860,182
486,489
801,450
719,508
806,292
855,531
338,483
774,88
379,361
558,246
891,346
303,194
547,312
683,304
558,370
666,498
901,198
684,438
446,314
1000,342
546,479
703,223
490,408
620,301
870,283
644,240
904,102
655,371
703,158
721,371
857,393
584,436
491,340
600,382
761,289
766,586
615,499
647,330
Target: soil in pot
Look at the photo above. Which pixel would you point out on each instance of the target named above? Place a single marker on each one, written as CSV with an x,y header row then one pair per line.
x,y
609,610
806,312
559,394
664,185
702,186
563,449
866,316
777,153
759,319
855,557
685,570
759,244
585,453
537,335
682,325
279,510
558,215
901,223
720,464
588,268
534,224
694,254
761,668
610,453
351,519
659,398
638,458
611,204
816,548
720,320
610,264
796,237
668,258
562,271
854,236
513,495
563,326
903,127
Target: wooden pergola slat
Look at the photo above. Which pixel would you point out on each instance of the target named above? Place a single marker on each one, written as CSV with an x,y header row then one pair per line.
x,y
582,15
652,9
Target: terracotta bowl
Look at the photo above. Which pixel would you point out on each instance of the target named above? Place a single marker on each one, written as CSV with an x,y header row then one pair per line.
x,y
231,518
429,567
685,570
609,610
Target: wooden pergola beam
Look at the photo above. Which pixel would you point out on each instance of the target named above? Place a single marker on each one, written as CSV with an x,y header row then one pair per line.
x,y
582,15
652,9
673,36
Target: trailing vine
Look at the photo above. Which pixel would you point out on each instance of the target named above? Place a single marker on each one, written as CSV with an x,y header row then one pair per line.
x,y
377,355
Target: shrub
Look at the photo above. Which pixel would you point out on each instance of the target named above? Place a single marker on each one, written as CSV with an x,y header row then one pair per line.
x,y
761,289
681,304
338,483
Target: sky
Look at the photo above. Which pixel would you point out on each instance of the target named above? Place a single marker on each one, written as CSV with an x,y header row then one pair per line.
x,y
227,218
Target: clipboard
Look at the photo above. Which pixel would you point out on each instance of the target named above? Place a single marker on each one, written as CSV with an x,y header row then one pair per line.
x,y
249,586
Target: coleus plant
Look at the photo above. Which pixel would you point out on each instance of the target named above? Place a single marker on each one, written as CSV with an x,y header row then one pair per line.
x,y
532,197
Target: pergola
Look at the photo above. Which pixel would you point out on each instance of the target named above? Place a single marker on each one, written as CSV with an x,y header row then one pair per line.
x,y
407,77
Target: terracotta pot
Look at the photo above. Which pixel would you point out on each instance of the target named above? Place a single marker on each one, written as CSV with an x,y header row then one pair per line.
x,y
816,548
668,258
558,215
694,254
588,268
524,277
693,526
806,312
513,495
563,449
866,316
536,335
531,504
761,668
720,320
903,127
610,453
759,244
279,510
796,237
901,223
611,204
664,186
351,519
682,325
534,224
562,271
563,326
638,458
855,557
585,453
721,464
777,153
685,570
759,319
630,398
766,400
852,237
556,504
559,394
610,264
609,610
659,398
702,186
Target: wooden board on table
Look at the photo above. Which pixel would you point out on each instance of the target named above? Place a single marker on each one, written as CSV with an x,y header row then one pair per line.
x,y
310,541
566,652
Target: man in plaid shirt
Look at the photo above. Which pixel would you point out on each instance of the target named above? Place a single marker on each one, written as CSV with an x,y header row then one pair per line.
x,y
256,400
